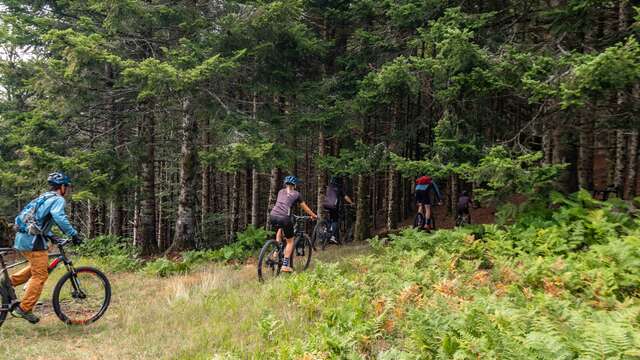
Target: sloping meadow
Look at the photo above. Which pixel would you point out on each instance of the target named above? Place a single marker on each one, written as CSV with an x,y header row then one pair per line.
x,y
562,282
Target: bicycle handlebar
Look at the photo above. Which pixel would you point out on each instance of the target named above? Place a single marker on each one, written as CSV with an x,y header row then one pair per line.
x,y
304,217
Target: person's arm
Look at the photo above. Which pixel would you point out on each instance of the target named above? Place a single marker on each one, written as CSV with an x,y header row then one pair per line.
x,y
60,217
306,209
436,190
348,200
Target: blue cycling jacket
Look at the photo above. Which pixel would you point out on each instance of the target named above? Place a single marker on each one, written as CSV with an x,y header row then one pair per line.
x,y
427,187
52,212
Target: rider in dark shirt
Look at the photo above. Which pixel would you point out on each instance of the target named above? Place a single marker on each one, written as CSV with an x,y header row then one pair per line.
x,y
333,203
464,203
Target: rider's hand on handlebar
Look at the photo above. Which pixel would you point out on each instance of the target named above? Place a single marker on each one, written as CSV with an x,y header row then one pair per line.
x,y
314,217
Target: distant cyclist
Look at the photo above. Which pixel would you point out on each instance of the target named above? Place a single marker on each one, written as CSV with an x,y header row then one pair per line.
x,y
33,226
333,203
464,204
424,186
280,216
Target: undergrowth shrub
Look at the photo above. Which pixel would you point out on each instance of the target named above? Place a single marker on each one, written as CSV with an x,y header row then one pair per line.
x,y
560,282
246,245
114,253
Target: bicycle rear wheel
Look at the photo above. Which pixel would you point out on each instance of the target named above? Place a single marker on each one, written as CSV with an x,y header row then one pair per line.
x,y
82,297
269,261
4,308
301,257
419,221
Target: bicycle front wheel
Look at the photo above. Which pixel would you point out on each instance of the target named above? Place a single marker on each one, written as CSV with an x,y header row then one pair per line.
x,y
269,261
301,257
82,297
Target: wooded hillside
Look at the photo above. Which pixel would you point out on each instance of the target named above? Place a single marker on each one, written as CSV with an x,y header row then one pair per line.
x,y
178,119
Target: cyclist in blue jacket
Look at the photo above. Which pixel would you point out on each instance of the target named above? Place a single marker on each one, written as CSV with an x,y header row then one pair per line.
x,y
33,226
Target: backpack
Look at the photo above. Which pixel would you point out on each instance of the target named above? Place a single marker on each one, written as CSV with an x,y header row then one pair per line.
x,y
26,221
331,198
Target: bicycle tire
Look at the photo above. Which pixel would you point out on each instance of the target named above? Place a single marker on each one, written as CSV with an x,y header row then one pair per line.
x,y
302,243
66,316
322,232
419,221
5,304
267,249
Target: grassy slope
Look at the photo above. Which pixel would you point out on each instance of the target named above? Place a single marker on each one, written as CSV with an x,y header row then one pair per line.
x,y
216,310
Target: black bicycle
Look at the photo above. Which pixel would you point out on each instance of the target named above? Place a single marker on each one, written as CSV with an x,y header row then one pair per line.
x,y
342,234
420,220
463,219
80,297
272,253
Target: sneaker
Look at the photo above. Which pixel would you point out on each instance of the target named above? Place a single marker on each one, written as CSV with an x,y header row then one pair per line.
x,y
333,239
27,315
6,289
287,269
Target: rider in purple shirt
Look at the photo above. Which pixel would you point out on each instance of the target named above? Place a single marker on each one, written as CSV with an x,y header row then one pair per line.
x,y
280,216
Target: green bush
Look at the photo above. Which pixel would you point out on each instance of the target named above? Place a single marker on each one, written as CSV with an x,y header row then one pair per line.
x,y
115,254
247,243
561,282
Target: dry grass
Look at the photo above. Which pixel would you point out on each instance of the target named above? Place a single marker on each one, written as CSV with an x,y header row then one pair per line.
x,y
212,313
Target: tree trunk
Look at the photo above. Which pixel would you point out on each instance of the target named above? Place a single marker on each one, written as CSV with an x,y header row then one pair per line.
x,y
273,191
361,229
392,201
235,202
185,223
147,214
585,153
618,180
205,205
547,144
255,196
611,157
322,176
453,179
632,166
91,219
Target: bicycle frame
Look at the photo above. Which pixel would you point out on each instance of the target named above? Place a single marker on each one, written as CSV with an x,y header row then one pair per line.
x,y
59,257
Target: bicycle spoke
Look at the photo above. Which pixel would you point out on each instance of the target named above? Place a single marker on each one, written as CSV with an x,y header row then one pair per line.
x,y
82,301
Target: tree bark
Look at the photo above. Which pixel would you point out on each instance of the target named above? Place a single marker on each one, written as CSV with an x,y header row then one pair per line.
x,y
273,189
255,196
585,153
147,213
392,201
235,202
185,223
361,229
632,166
322,176
618,180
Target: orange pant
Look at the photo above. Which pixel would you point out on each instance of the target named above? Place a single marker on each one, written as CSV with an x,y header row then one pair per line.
x,y
36,273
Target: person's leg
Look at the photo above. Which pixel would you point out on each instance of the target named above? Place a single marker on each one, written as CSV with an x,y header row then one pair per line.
x,y
427,216
21,276
39,263
288,251
279,235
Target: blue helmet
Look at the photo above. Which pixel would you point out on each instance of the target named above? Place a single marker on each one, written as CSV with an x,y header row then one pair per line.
x,y
58,178
292,180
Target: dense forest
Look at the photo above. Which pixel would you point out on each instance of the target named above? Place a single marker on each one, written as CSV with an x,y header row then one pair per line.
x,y
178,119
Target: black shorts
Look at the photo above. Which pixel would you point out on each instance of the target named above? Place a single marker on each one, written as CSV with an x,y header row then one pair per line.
x,y
283,223
422,197
462,210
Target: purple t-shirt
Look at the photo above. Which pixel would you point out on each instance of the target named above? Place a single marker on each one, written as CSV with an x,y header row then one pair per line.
x,y
286,200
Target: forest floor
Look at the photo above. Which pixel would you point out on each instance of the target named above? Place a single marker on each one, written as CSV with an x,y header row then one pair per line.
x,y
215,309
